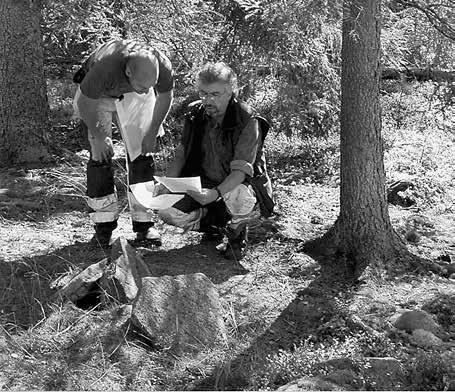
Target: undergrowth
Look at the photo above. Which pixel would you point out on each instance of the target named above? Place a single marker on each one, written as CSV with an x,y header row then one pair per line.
x,y
40,349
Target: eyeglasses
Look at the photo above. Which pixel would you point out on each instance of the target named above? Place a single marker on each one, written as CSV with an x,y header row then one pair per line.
x,y
213,95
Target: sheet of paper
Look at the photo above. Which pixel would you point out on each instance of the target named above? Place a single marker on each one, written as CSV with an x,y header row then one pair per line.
x,y
181,184
144,194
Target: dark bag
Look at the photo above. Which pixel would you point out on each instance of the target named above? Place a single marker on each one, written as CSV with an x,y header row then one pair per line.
x,y
79,76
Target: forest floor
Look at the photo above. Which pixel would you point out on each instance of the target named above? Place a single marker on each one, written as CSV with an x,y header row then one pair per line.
x,y
287,313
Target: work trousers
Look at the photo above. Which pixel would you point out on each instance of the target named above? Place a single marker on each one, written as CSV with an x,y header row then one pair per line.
x,y
102,200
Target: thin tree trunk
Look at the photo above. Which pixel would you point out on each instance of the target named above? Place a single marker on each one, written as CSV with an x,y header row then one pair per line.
x,y
23,101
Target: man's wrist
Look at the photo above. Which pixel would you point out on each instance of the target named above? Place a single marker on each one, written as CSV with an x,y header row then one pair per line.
x,y
219,195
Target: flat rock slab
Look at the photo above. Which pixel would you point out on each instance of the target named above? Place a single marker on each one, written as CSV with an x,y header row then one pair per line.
x,y
181,312
384,373
81,284
309,384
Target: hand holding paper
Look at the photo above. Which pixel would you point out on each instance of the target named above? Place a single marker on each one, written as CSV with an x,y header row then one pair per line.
x,y
146,192
180,184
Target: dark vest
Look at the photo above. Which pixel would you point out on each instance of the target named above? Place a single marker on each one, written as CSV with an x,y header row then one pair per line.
x,y
236,118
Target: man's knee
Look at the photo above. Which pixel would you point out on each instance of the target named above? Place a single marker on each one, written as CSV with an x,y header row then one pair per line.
x,y
241,200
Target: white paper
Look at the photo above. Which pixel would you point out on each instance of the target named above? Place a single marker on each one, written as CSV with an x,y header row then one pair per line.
x,y
180,184
144,194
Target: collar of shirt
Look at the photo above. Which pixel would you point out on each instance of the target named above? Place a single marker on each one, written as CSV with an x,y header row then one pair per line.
x,y
213,122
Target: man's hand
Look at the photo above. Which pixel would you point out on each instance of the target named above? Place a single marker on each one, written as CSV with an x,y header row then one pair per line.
x,y
206,196
102,149
149,143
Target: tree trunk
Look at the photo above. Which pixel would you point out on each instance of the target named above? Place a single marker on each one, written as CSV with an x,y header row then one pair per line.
x,y
362,233
23,101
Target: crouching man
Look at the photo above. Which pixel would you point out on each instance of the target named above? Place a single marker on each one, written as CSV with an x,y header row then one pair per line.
x,y
222,142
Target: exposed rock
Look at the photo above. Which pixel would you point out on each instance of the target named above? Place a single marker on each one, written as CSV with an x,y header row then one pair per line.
x,y
384,373
122,280
425,339
345,378
182,312
395,196
81,284
412,236
342,363
374,373
309,384
418,319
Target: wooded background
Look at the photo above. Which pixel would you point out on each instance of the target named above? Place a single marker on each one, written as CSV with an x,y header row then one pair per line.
x,y
304,64
287,53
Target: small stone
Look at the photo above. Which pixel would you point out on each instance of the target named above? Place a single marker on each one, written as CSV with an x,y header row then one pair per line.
x,y
425,339
412,236
418,319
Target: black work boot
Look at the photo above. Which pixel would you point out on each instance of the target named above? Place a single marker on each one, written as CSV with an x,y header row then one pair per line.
x,y
146,234
237,241
211,234
103,234
212,222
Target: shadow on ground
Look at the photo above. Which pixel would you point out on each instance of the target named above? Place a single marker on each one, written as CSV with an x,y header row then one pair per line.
x,y
35,195
190,259
25,283
299,321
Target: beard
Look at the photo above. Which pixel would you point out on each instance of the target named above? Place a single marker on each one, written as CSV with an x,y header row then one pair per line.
x,y
211,110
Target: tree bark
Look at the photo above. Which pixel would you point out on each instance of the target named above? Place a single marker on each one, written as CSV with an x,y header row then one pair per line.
x,y
23,101
362,233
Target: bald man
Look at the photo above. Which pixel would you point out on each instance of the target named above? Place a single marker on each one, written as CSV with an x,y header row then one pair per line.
x,y
131,83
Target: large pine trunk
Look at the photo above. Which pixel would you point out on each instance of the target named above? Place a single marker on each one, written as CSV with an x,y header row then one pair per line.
x,y
364,229
363,232
23,100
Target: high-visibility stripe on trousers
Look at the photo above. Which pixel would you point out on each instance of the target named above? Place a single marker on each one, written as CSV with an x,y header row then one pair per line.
x,y
102,195
97,115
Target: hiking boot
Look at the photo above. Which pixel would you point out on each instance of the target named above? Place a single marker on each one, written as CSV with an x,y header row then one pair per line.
x,y
235,246
103,234
101,239
211,237
151,235
210,234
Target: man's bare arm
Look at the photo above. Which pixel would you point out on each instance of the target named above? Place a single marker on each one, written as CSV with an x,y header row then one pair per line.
x,y
160,111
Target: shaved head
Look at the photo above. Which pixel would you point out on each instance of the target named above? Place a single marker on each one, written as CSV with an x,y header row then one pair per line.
x,y
142,71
